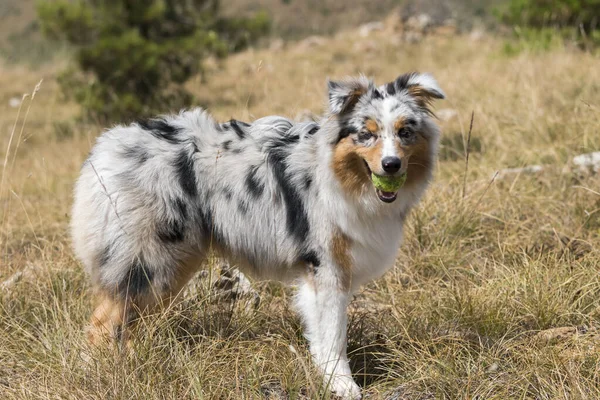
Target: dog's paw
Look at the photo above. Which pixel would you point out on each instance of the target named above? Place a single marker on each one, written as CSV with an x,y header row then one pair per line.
x,y
345,388
232,285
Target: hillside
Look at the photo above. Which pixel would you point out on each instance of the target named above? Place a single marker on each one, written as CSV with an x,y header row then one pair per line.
x,y
21,40
495,293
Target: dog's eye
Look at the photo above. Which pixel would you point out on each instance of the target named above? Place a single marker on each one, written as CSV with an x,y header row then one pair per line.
x,y
365,135
405,132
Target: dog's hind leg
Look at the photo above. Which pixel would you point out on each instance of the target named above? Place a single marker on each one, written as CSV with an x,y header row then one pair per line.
x,y
322,303
110,316
141,293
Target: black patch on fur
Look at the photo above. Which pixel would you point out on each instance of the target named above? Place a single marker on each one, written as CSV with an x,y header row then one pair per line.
x,y
313,130
390,88
310,257
243,207
210,231
255,188
228,193
377,94
137,280
184,167
173,230
181,208
364,137
402,81
137,153
235,125
285,141
161,129
346,130
410,123
227,145
104,256
237,150
307,181
296,217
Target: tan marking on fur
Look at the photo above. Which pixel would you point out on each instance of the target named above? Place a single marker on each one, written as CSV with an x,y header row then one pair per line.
x,y
422,96
340,248
107,319
113,316
399,123
353,99
372,126
349,168
372,155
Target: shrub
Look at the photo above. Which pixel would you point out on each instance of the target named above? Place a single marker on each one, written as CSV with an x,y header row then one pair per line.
x,y
133,56
558,13
577,20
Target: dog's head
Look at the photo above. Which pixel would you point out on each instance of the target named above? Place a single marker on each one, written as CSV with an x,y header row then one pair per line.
x,y
386,131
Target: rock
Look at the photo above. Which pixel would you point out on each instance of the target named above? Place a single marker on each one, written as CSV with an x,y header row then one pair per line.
x,y
493,368
311,42
587,163
446,114
420,18
561,333
27,272
366,29
427,13
14,102
530,169
476,35
277,45
393,22
418,23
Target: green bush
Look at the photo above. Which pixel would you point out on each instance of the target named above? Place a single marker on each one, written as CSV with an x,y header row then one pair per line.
x,y
573,20
558,13
133,56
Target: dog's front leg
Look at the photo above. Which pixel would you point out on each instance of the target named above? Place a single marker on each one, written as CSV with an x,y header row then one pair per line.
x,y
322,303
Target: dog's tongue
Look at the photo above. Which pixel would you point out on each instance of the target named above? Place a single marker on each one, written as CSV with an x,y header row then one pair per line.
x,y
387,197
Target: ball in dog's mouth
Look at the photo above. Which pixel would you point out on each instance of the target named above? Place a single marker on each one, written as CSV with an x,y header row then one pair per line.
x,y
387,187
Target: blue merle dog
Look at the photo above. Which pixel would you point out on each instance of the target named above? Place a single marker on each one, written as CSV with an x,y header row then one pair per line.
x,y
286,200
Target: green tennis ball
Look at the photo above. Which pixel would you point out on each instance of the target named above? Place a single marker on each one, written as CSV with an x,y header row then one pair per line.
x,y
388,184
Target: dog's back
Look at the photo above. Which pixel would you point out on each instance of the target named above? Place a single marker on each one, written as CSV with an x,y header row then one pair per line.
x,y
155,196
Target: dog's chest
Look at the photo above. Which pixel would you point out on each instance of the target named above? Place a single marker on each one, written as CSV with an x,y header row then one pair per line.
x,y
374,248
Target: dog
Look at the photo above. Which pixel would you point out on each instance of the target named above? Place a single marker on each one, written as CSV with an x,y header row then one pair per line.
x,y
285,200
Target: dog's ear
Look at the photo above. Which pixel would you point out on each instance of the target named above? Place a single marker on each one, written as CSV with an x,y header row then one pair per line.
x,y
344,94
424,87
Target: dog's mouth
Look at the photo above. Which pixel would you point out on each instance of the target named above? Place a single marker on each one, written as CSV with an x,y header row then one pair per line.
x,y
386,197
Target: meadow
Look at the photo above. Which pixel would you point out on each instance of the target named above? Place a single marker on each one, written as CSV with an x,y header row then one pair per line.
x,y
495,293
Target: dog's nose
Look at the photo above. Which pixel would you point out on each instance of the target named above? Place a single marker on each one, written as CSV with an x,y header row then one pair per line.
x,y
391,164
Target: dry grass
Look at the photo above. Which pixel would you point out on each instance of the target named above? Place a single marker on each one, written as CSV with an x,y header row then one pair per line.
x,y
476,279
